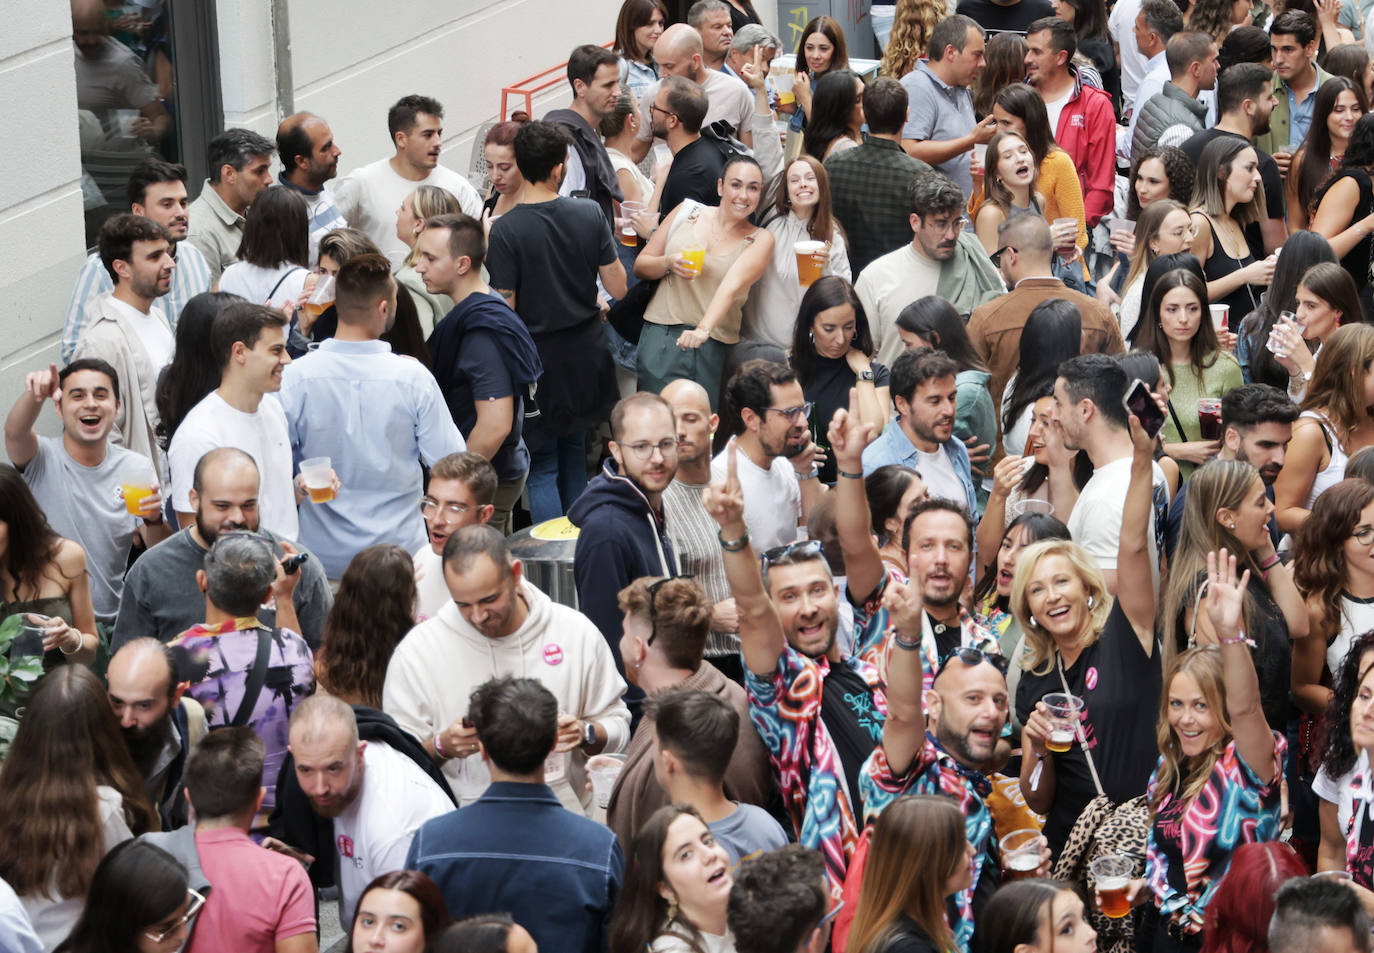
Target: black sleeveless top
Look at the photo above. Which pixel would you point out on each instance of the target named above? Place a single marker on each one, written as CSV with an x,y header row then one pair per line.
x,y
1357,260
1221,263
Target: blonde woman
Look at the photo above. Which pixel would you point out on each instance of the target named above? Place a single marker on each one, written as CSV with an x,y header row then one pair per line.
x,y
422,204
910,38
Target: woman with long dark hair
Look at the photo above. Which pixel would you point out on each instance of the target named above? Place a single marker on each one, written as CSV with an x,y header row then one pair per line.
x,y
918,857
1005,56
43,574
637,28
1352,61
1326,298
1345,204
836,120
892,491
1335,110
1228,195
193,372
1343,783
71,792
140,902
802,212
1164,228
399,912
1053,334
822,49
676,886
274,255
1036,916
1089,20
1258,362
832,352
1011,182
373,610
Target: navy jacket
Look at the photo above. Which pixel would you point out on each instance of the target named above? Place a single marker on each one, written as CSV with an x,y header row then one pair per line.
x,y
517,850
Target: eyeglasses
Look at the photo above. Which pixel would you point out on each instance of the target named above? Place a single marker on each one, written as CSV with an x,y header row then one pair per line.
x,y
653,606
192,908
644,450
1364,535
429,506
792,413
955,225
656,108
830,915
997,255
805,548
971,656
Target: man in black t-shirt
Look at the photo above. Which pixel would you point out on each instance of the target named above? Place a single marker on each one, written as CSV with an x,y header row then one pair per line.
x,y
995,16
482,355
1245,98
678,110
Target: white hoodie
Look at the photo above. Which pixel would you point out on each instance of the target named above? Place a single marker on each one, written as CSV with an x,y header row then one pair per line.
x,y
439,662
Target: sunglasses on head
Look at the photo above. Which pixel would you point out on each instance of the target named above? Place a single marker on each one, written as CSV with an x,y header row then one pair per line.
x,y
971,657
806,548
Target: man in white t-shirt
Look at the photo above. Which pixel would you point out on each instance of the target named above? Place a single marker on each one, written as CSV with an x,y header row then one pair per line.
x,y
376,796
369,197
776,465
678,52
249,343
1088,410
128,329
460,493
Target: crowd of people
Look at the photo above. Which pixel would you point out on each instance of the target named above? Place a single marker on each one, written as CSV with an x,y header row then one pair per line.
x,y
971,471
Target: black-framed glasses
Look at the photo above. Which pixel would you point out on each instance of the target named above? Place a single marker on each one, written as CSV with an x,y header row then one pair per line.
x,y
656,108
653,599
197,901
792,413
971,656
644,450
805,548
997,255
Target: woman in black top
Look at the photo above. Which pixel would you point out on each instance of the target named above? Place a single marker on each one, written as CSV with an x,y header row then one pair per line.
x,y
832,351
919,856
1103,651
1345,205
1227,196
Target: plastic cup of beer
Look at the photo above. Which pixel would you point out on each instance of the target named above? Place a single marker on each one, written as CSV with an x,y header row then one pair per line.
x,y
322,297
1064,715
782,82
694,256
603,769
808,261
1020,854
628,236
318,477
1221,316
1209,417
1112,876
134,495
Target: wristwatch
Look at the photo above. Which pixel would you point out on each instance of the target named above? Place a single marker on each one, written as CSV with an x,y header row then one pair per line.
x,y
589,734
866,377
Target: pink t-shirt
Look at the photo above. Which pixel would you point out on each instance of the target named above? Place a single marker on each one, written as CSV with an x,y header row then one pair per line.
x,y
257,897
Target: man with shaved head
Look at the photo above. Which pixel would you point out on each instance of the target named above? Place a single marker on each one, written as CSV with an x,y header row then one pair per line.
x,y
679,52
160,726
161,598
375,796
310,158
692,530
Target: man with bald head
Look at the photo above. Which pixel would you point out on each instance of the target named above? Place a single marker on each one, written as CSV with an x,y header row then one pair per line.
x,y
375,796
159,724
309,159
692,530
161,598
679,52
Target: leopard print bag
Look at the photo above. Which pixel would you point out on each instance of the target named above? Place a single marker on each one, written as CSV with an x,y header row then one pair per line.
x,y
1102,829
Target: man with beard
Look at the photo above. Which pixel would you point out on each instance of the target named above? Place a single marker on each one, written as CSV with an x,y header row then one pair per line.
x,y
310,158
623,534
1245,102
157,190
777,457
498,624
110,77
924,393
376,796
1256,426
594,75
161,598
818,710
129,330
693,531
676,114
942,258
160,726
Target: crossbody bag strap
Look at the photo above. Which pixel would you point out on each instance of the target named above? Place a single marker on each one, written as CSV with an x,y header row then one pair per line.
x,y
1177,423
281,279
257,677
1078,729
1197,608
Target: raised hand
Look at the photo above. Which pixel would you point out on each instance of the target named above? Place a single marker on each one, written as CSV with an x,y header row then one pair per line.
x,y
904,608
1225,593
42,384
725,501
848,435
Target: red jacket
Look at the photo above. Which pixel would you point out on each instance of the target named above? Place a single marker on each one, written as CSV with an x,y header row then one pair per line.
x,y
1087,131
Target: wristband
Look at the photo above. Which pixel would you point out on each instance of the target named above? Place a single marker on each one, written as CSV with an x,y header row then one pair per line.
x,y
732,545
850,476
810,475
1239,638
1270,563
80,643
439,746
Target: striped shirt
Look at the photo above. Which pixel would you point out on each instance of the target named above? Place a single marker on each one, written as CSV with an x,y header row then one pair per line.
x,y
693,533
190,277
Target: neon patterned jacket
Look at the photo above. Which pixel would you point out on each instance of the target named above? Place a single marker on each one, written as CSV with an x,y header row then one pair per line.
x,y
785,707
877,651
936,772
1232,809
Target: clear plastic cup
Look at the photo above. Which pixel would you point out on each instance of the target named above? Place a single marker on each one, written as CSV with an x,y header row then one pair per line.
x,y
321,297
1022,507
29,639
603,769
1021,853
1065,711
808,263
1112,877
318,475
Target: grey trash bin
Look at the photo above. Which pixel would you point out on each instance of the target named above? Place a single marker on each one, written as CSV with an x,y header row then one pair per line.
x,y
546,552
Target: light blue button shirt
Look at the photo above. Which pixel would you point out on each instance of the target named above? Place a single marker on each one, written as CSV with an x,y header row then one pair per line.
x,y
376,415
893,446
190,278
1299,117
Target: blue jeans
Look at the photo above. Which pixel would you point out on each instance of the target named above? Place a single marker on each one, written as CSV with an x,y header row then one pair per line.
x,y
558,475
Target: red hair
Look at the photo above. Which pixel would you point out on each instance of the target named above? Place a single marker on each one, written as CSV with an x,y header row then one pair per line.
x,y
1238,916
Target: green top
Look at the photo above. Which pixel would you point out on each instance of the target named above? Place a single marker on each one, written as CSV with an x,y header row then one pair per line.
x,y
974,416
1223,375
